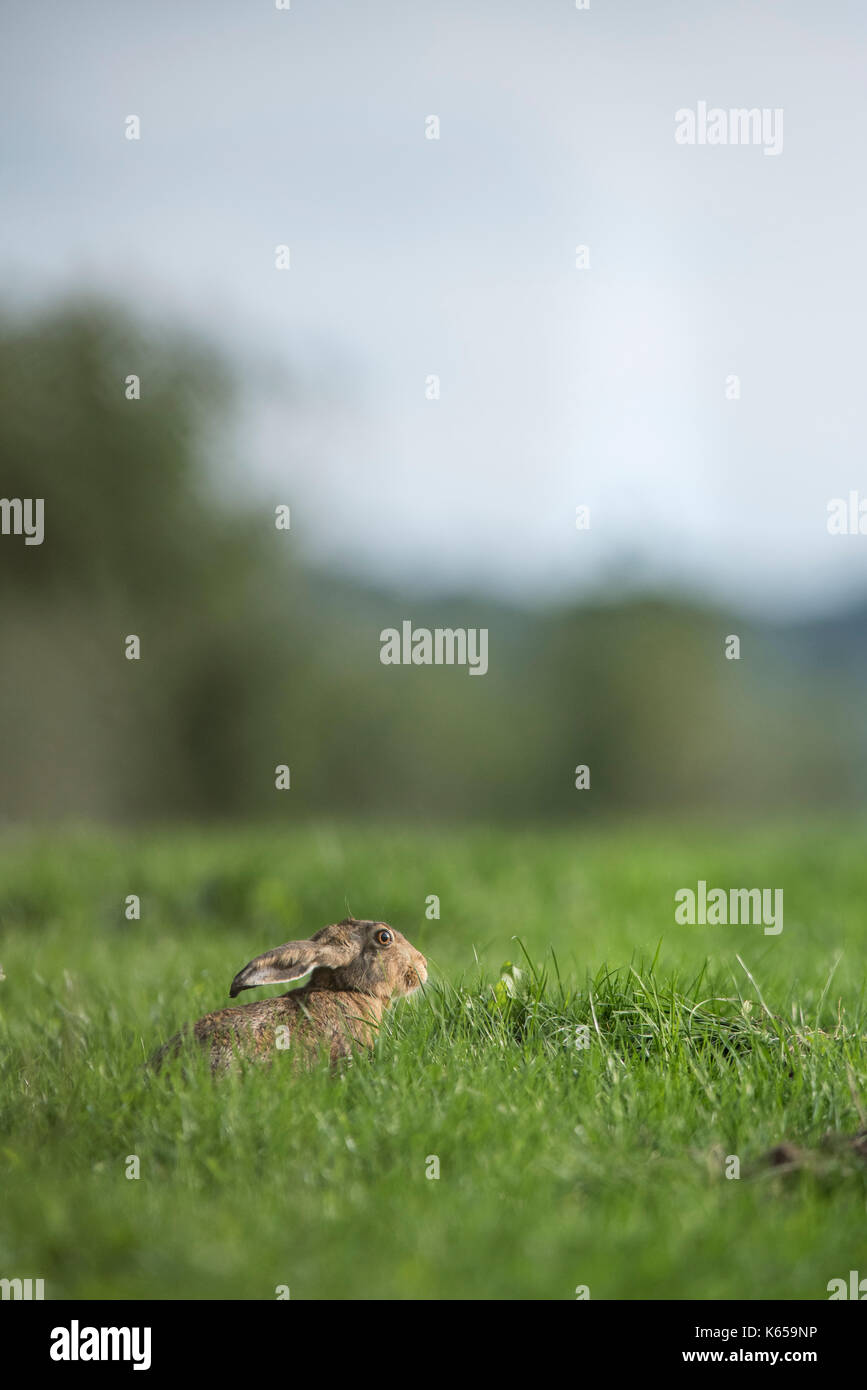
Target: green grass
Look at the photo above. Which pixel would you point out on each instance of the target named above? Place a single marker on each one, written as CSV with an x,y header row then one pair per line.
x,y
560,1165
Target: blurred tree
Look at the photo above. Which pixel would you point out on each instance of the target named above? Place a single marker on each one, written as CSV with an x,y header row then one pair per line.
x,y
249,659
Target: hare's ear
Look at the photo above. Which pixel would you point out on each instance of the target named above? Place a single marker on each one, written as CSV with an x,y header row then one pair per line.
x,y
290,962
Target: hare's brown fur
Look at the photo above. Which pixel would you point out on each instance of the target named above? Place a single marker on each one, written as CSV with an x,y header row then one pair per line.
x,y
358,968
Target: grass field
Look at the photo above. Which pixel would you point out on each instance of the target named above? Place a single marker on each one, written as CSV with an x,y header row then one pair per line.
x,y
560,1165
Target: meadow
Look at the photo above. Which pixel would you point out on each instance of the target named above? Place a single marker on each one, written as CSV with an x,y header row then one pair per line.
x,y
582,1068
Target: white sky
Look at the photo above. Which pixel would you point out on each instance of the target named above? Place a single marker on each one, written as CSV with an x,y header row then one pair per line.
x,y
457,257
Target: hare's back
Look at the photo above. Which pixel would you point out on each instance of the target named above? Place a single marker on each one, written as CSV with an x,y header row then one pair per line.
x,y
252,1020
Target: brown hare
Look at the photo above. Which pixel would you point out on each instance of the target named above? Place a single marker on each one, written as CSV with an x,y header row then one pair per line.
x,y
358,969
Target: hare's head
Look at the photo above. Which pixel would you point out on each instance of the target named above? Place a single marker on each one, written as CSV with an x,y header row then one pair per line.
x,y
370,957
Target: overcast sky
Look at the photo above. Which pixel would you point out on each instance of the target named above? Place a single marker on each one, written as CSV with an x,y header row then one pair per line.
x,y
560,386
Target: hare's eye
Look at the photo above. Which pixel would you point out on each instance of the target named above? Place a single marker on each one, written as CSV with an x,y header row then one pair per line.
x,y
384,938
